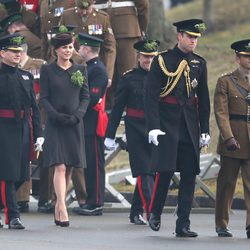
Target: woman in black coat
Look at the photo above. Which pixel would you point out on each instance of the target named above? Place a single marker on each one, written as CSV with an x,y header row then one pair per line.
x,y
65,97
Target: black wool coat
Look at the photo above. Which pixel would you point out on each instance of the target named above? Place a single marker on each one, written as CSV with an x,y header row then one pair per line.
x,y
60,97
16,133
190,114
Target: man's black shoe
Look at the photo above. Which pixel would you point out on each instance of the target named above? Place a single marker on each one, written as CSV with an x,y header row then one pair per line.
x,y
88,210
23,206
16,224
137,219
155,222
1,224
223,232
186,232
46,208
78,209
248,232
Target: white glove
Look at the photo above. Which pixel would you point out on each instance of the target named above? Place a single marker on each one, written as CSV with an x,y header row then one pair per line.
x,y
204,140
109,143
153,134
39,143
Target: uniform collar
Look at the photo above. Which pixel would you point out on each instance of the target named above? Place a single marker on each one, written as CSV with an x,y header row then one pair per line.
x,y
244,74
7,68
181,53
93,60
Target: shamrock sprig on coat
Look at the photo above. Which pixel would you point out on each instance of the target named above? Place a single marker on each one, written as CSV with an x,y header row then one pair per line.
x,y
78,78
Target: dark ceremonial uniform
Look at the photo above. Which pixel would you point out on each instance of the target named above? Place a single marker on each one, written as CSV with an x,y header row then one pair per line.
x,y
130,95
183,113
19,127
33,66
95,172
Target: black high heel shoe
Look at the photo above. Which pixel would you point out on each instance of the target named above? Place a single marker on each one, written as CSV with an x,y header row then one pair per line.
x,y
63,223
57,222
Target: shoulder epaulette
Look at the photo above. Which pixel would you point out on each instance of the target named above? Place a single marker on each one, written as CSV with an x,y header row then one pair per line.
x,y
226,74
162,52
38,60
100,12
126,72
75,9
199,56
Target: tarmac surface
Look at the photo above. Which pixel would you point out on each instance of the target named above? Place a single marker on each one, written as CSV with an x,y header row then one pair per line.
x,y
112,231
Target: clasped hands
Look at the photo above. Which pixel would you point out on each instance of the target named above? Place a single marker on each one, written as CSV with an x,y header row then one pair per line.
x,y
63,119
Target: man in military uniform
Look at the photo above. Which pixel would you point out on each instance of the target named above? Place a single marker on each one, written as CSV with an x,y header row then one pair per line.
x,y
13,23
50,14
28,11
90,21
130,96
19,127
129,21
232,112
97,81
33,66
177,111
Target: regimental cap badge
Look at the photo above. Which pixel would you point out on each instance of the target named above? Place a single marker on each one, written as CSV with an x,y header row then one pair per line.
x,y
247,47
63,29
18,40
200,27
84,4
147,47
194,27
12,42
241,47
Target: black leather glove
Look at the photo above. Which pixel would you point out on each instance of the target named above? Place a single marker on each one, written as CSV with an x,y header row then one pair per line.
x,y
62,119
73,120
232,144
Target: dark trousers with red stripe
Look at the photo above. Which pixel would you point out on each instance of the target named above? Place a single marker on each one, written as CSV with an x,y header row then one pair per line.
x,y
185,196
142,195
8,200
95,172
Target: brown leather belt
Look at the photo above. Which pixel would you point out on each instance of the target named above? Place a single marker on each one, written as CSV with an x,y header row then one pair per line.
x,y
245,118
135,113
9,113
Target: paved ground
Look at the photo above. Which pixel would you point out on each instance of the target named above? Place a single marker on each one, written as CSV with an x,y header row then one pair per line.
x,y
113,232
